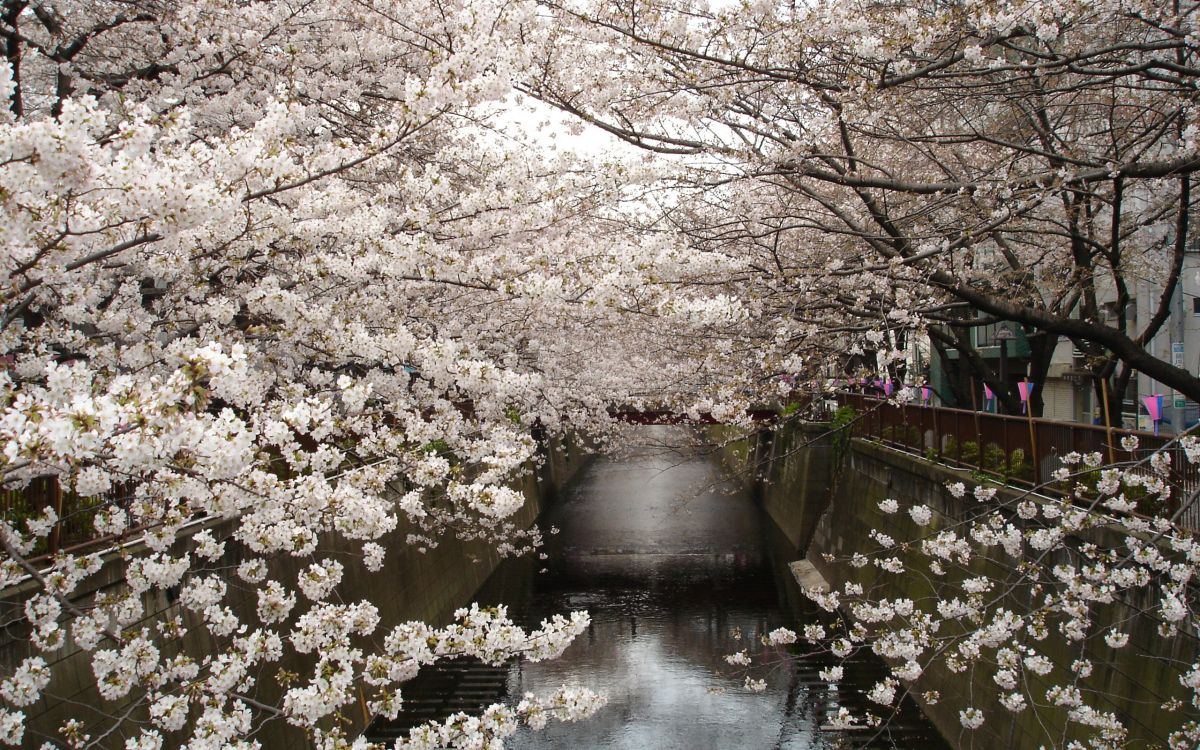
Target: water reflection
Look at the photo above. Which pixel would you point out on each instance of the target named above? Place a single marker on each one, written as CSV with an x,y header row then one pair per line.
x,y
677,569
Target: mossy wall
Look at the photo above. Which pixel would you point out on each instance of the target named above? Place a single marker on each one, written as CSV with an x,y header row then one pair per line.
x,y
790,470
825,512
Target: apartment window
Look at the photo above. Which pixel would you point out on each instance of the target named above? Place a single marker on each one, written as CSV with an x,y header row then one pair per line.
x,y
1196,305
1110,313
986,335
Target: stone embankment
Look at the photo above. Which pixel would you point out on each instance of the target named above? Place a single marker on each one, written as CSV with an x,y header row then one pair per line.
x,y
824,494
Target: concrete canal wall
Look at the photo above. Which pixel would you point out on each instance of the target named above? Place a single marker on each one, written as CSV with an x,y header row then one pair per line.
x,y
425,586
825,498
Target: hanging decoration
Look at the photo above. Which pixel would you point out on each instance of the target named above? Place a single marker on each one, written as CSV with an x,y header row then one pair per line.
x,y
1025,388
1154,405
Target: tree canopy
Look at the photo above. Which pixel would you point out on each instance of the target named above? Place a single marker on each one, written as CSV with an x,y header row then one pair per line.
x,y
1027,161
291,263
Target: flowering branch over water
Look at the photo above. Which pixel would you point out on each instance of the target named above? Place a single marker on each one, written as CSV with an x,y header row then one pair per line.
x,y
1029,601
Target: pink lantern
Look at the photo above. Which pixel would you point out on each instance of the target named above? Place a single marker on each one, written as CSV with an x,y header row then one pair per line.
x,y
926,394
1154,405
987,392
1025,389
888,387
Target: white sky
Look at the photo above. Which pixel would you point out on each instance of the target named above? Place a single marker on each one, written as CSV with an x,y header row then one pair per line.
x,y
590,141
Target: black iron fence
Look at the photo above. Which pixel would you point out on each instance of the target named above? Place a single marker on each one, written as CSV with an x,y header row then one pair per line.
x,y
1021,450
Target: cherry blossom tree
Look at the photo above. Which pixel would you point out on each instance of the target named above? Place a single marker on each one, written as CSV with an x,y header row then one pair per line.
x,y
281,263
1021,161
290,265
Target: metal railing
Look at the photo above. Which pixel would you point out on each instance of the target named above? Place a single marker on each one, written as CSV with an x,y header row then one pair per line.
x,y
76,514
1018,450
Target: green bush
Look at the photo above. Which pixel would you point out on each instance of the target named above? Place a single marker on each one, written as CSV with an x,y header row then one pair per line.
x,y
908,435
842,416
994,459
1018,466
970,453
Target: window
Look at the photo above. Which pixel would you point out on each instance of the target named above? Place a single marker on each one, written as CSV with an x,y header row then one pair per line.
x,y
986,335
1109,310
1196,305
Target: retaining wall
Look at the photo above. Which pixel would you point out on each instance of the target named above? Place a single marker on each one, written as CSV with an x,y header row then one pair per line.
x,y
826,511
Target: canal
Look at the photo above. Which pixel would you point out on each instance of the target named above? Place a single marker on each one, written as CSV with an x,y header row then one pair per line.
x,y
677,567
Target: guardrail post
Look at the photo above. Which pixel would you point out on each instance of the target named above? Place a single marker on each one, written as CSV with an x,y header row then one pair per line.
x,y
1112,459
1004,431
939,428
975,413
1033,446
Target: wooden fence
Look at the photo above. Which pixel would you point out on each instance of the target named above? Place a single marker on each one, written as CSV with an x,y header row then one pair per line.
x,y
1019,450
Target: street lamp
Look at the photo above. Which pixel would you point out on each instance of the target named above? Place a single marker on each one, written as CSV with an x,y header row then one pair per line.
x,y
1004,334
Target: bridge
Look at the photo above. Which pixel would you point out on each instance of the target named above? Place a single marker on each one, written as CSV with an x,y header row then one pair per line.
x,y
649,417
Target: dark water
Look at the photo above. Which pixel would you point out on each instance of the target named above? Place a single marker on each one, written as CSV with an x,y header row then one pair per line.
x,y
677,569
